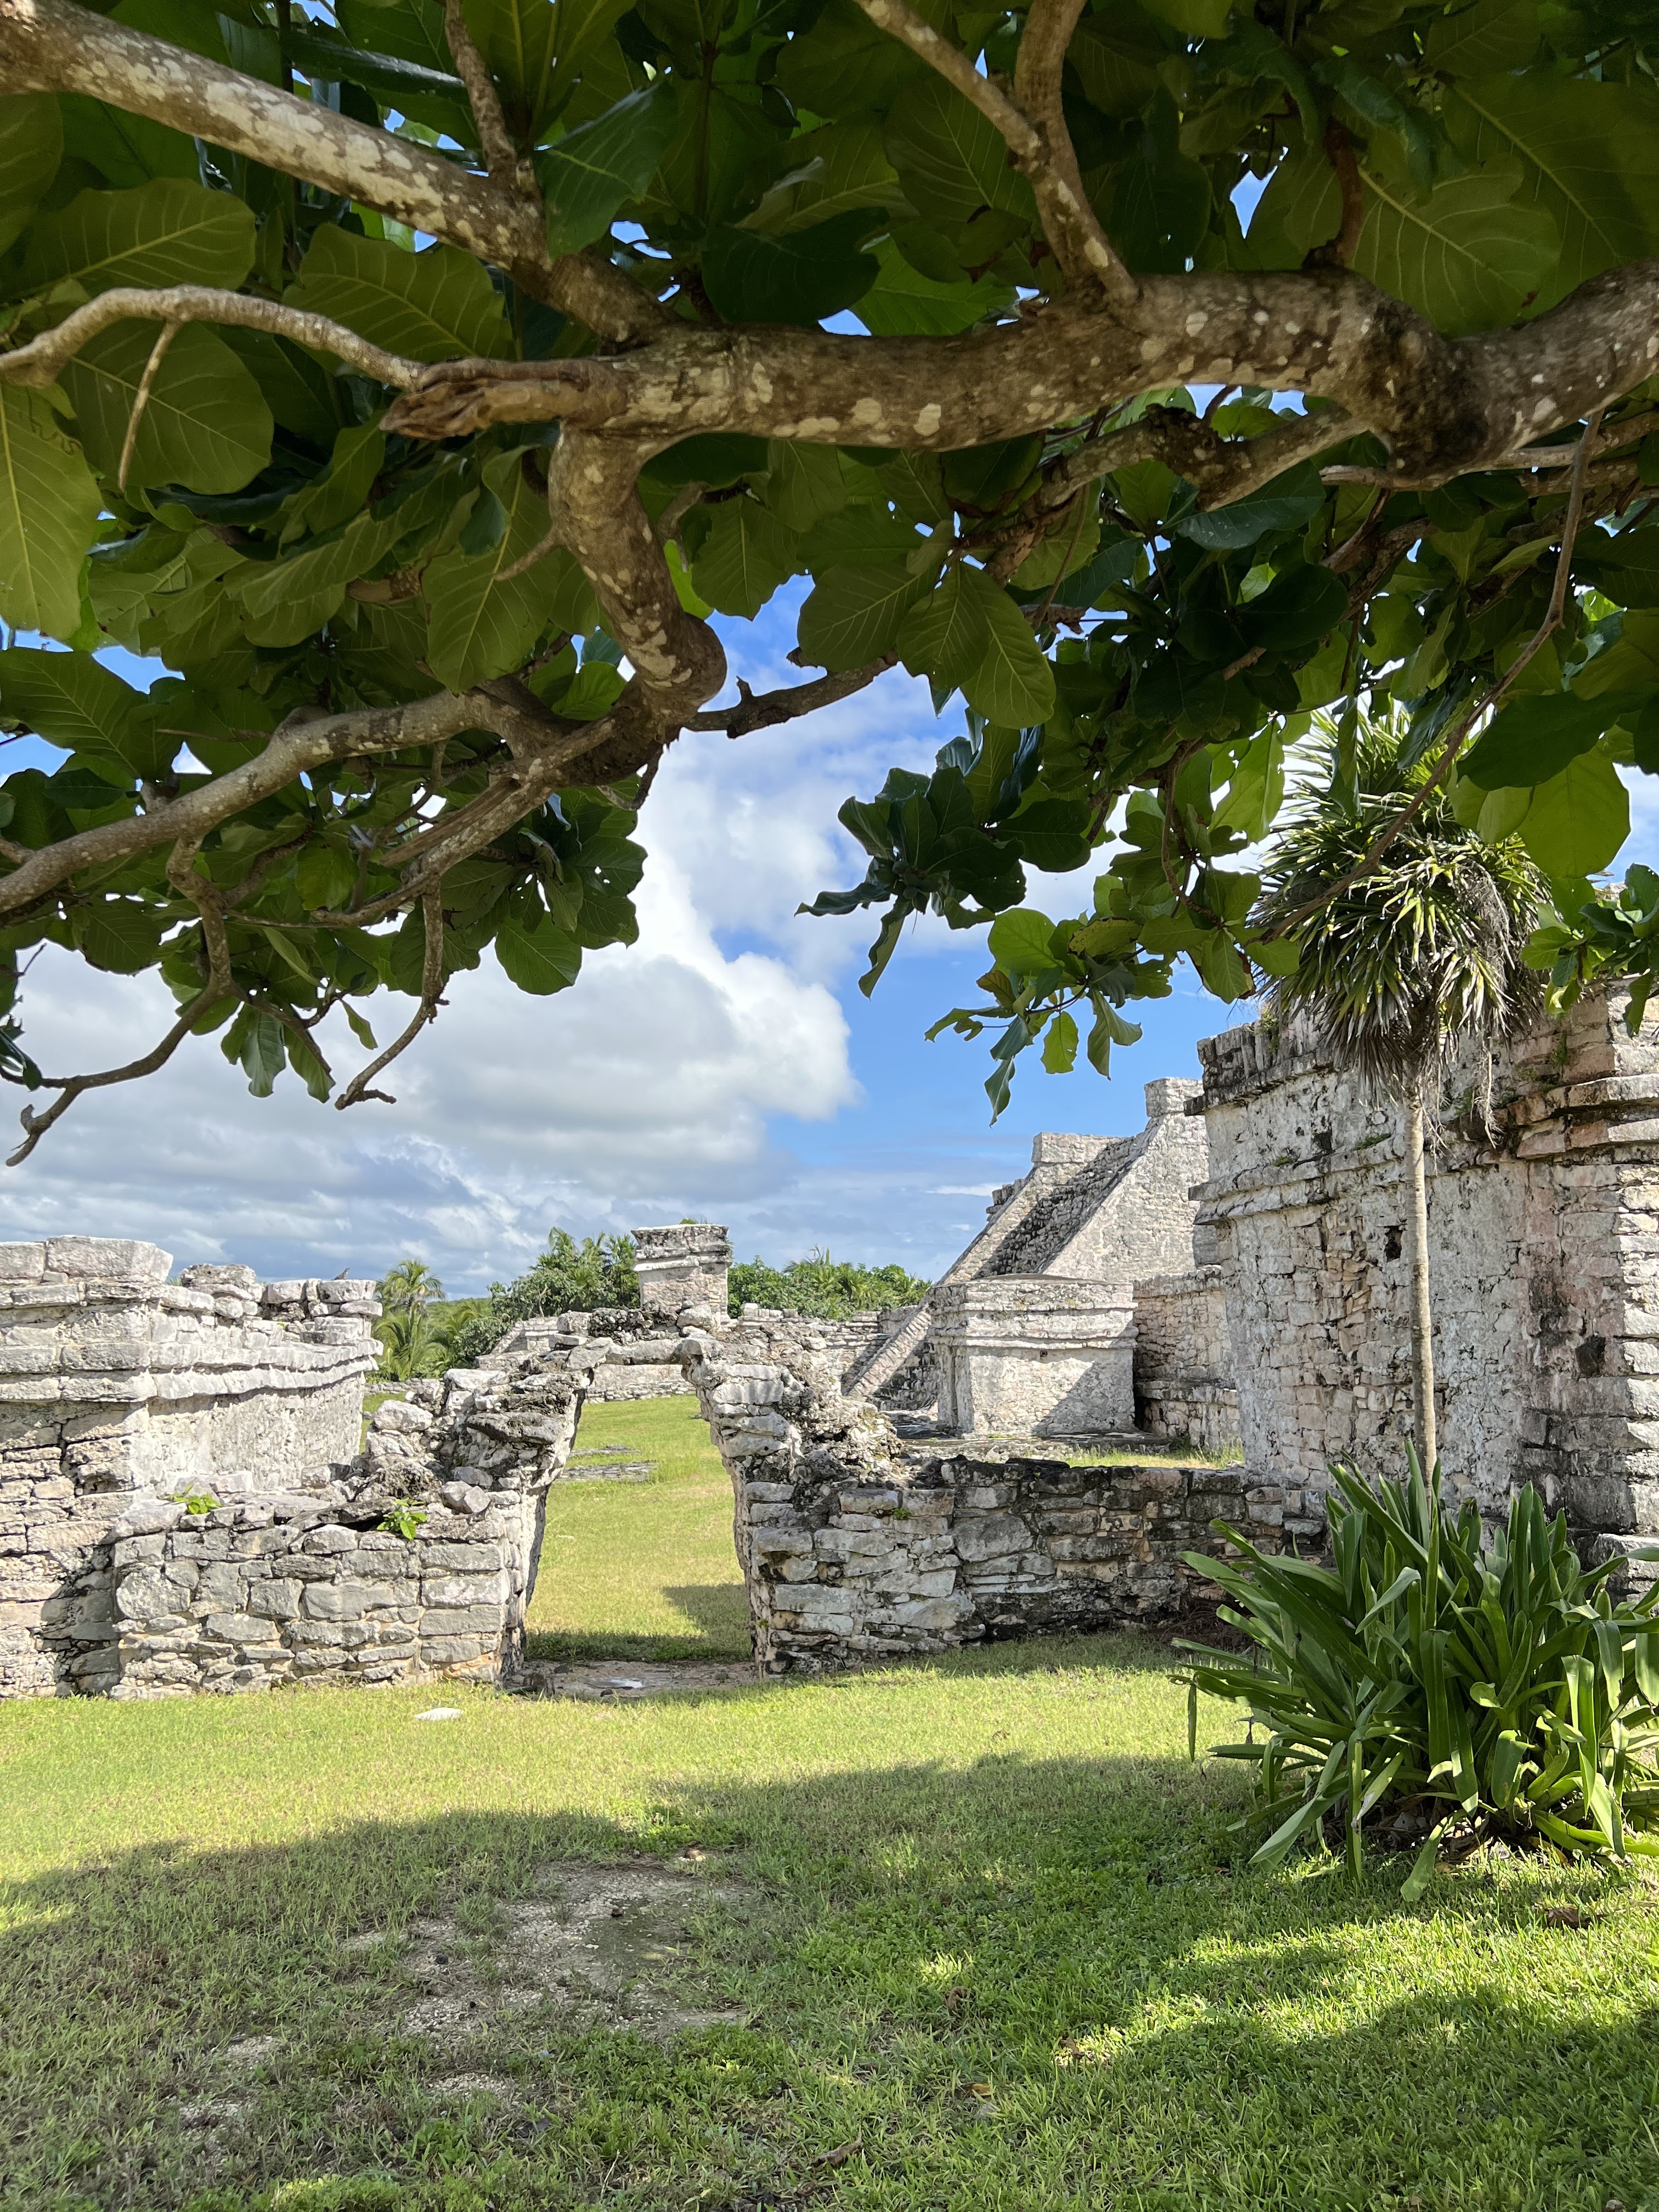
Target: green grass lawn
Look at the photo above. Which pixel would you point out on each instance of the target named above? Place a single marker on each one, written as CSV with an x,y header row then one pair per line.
x,y
643,1571
978,1918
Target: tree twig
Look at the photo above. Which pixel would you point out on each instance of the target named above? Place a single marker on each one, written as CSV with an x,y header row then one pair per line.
x,y
501,155
764,710
432,976
164,338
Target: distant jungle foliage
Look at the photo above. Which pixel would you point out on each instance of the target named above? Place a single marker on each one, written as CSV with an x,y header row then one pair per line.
x,y
567,1277
827,1289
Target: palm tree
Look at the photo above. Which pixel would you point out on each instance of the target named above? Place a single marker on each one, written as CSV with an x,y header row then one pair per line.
x,y
411,1343
409,1287
1406,963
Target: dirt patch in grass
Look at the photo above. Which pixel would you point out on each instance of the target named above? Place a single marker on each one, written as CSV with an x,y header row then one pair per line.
x,y
625,1681
605,1944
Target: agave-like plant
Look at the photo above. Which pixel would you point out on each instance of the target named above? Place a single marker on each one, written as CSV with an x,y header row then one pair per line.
x,y
1488,1683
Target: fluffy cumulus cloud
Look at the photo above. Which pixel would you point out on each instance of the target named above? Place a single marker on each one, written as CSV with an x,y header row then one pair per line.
x,y
652,1090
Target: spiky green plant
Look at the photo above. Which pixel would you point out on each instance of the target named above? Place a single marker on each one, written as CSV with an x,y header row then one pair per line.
x,y
409,1287
1488,1682
1406,962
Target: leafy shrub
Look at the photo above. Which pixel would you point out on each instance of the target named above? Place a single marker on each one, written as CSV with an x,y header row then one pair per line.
x,y
568,1277
1434,1678
827,1289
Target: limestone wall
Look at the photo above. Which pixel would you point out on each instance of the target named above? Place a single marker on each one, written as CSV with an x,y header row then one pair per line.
x,y
418,1563
685,1264
115,1383
859,1547
1185,1389
1034,1355
1543,1262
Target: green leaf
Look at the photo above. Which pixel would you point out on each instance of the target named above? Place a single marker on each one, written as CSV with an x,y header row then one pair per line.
x,y
535,50
254,1039
167,232
30,147
1021,942
49,509
902,302
1287,503
75,701
1109,1028
541,960
1159,210
800,278
1468,257
841,166
1492,36
118,935
1060,1045
205,424
1626,568
1194,19
804,483
1589,157
1011,684
1532,739
481,628
853,614
1297,609
747,553
951,159
1578,820
596,168
947,636
430,306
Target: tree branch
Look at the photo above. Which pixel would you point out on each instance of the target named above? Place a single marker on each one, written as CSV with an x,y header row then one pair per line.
x,y
1069,223
764,710
501,155
39,362
52,46
432,977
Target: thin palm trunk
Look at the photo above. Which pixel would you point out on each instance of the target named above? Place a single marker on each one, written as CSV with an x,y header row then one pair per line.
x,y
1423,1421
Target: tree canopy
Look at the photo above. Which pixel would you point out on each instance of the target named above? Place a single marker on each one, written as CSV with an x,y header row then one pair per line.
x,y
413,380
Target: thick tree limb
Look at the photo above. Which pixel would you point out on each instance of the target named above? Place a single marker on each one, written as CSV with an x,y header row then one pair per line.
x,y
52,46
42,359
1444,406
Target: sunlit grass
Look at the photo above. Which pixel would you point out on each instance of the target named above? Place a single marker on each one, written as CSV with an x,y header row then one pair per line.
x,y
643,1571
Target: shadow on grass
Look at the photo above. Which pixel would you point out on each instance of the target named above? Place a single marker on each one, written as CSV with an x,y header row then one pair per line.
x,y
1156,2029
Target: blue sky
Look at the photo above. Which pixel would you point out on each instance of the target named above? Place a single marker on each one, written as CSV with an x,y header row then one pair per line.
x,y
727,1065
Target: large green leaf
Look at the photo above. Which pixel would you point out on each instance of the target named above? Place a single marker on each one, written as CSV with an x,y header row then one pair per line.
x,y
902,302
1590,156
1012,685
73,701
1532,739
541,960
480,627
1481,39
1578,820
946,637
1469,256
205,425
1159,210
30,147
950,161
851,615
587,176
535,50
751,276
745,556
430,306
49,509
840,167
167,232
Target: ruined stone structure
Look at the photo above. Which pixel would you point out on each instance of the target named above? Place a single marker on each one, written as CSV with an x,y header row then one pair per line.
x,y
1544,1260
1037,1329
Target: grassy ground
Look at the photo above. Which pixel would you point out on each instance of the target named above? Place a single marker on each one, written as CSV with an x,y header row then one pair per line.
x,y
980,1918
643,1571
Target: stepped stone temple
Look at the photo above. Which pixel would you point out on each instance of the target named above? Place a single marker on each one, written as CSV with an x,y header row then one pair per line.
x,y
188,1502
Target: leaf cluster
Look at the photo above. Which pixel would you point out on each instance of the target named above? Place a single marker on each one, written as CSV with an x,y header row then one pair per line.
x,y
567,1277
1472,1680
825,1288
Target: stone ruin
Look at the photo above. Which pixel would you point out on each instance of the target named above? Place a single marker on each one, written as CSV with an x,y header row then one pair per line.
x,y
184,1505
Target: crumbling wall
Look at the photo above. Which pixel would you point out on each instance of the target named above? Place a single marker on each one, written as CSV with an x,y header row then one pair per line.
x,y
1127,1210
857,1546
1543,1262
1184,1386
419,1562
115,1383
